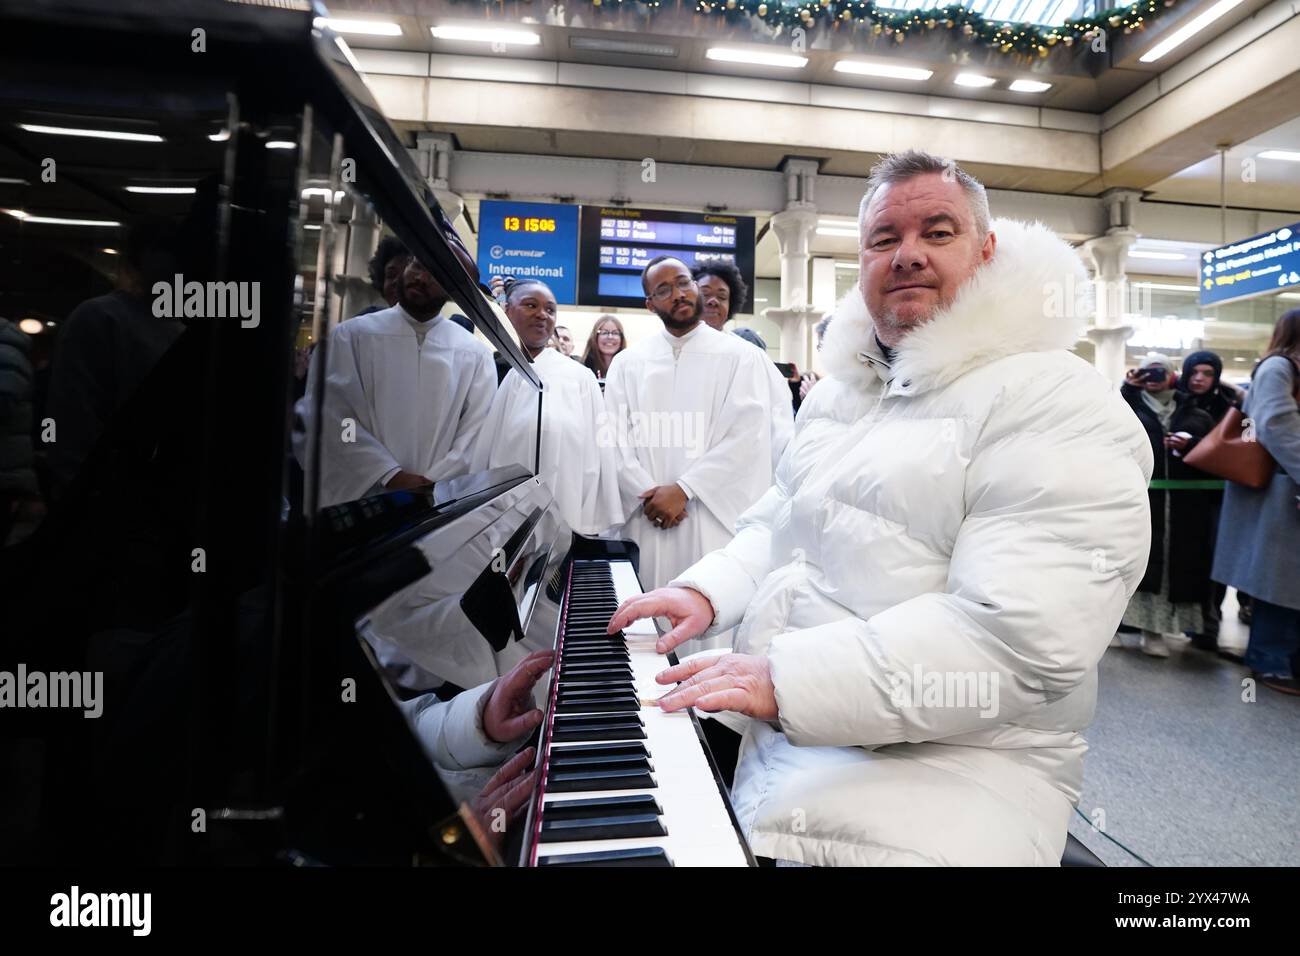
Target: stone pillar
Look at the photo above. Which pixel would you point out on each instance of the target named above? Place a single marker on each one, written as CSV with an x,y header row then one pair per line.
x,y
794,227
1108,254
433,156
352,274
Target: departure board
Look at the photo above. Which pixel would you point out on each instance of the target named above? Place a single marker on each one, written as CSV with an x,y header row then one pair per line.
x,y
616,243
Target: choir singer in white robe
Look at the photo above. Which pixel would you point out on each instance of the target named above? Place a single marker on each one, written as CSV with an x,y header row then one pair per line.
x,y
406,392
691,413
580,472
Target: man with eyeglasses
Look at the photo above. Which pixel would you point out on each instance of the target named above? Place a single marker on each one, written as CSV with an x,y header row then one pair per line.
x,y
690,411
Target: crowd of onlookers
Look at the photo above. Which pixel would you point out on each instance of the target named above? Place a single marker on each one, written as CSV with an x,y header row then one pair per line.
x,y
1208,534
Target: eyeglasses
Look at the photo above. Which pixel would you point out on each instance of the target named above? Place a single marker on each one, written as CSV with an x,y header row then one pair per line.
x,y
609,334
664,291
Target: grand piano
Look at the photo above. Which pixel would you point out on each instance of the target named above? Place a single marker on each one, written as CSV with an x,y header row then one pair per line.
x,y
263,651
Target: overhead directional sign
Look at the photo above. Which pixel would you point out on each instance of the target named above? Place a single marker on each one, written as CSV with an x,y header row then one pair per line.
x,y
1261,265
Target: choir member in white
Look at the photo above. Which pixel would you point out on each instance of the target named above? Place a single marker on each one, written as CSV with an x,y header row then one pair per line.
x,y
406,392
722,291
579,470
691,411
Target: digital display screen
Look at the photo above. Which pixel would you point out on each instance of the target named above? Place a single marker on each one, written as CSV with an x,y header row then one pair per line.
x,y
530,240
617,243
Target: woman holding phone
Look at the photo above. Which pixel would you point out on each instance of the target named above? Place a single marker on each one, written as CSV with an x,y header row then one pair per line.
x,y
1170,598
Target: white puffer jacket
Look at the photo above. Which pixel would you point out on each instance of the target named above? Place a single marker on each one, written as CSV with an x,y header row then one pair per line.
x,y
946,553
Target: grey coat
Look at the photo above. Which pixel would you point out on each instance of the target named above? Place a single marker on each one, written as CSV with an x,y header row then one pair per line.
x,y
1259,530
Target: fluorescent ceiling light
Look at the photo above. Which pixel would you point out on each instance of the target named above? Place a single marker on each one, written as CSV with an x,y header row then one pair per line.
x,y
312,226
280,144
756,57
1166,288
973,79
56,220
1151,254
91,133
164,190
31,326
1179,37
111,252
1289,155
601,45
881,69
368,28
1029,86
847,232
847,265
10,181
219,137
487,35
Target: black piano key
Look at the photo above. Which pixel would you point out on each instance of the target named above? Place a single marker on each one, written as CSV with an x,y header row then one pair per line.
x,y
601,806
593,662
567,721
578,751
582,691
603,828
605,762
614,705
594,690
576,781
599,748
583,677
640,856
608,731
606,685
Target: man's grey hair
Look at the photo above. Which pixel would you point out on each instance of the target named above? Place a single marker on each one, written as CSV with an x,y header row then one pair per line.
x,y
899,167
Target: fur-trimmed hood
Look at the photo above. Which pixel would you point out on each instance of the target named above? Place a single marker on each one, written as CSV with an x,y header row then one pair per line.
x,y
1022,300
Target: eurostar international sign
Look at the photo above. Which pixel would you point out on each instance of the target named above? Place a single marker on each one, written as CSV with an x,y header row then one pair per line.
x,y
1263,264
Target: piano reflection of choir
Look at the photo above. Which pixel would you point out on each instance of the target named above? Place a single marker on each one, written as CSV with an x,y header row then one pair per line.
x,y
393,533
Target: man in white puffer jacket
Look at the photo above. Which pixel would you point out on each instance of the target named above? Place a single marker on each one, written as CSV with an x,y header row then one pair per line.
x,y
954,533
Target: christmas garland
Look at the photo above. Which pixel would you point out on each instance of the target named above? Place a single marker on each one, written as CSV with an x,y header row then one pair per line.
x,y
1024,38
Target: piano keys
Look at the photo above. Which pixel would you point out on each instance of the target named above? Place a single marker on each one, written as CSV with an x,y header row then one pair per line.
x,y
623,783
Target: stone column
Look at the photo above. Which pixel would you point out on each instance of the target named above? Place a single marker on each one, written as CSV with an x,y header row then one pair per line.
x,y
1108,254
794,227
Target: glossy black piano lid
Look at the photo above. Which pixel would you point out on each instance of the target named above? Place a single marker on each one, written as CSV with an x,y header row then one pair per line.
x,y
175,556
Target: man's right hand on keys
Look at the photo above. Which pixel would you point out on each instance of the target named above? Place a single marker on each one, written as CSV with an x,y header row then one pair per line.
x,y
687,610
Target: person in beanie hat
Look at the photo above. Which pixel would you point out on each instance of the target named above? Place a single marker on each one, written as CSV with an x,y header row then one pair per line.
x,y
1173,593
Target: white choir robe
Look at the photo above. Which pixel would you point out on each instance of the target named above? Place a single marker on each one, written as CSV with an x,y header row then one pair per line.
x,y
702,420
411,407
580,471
